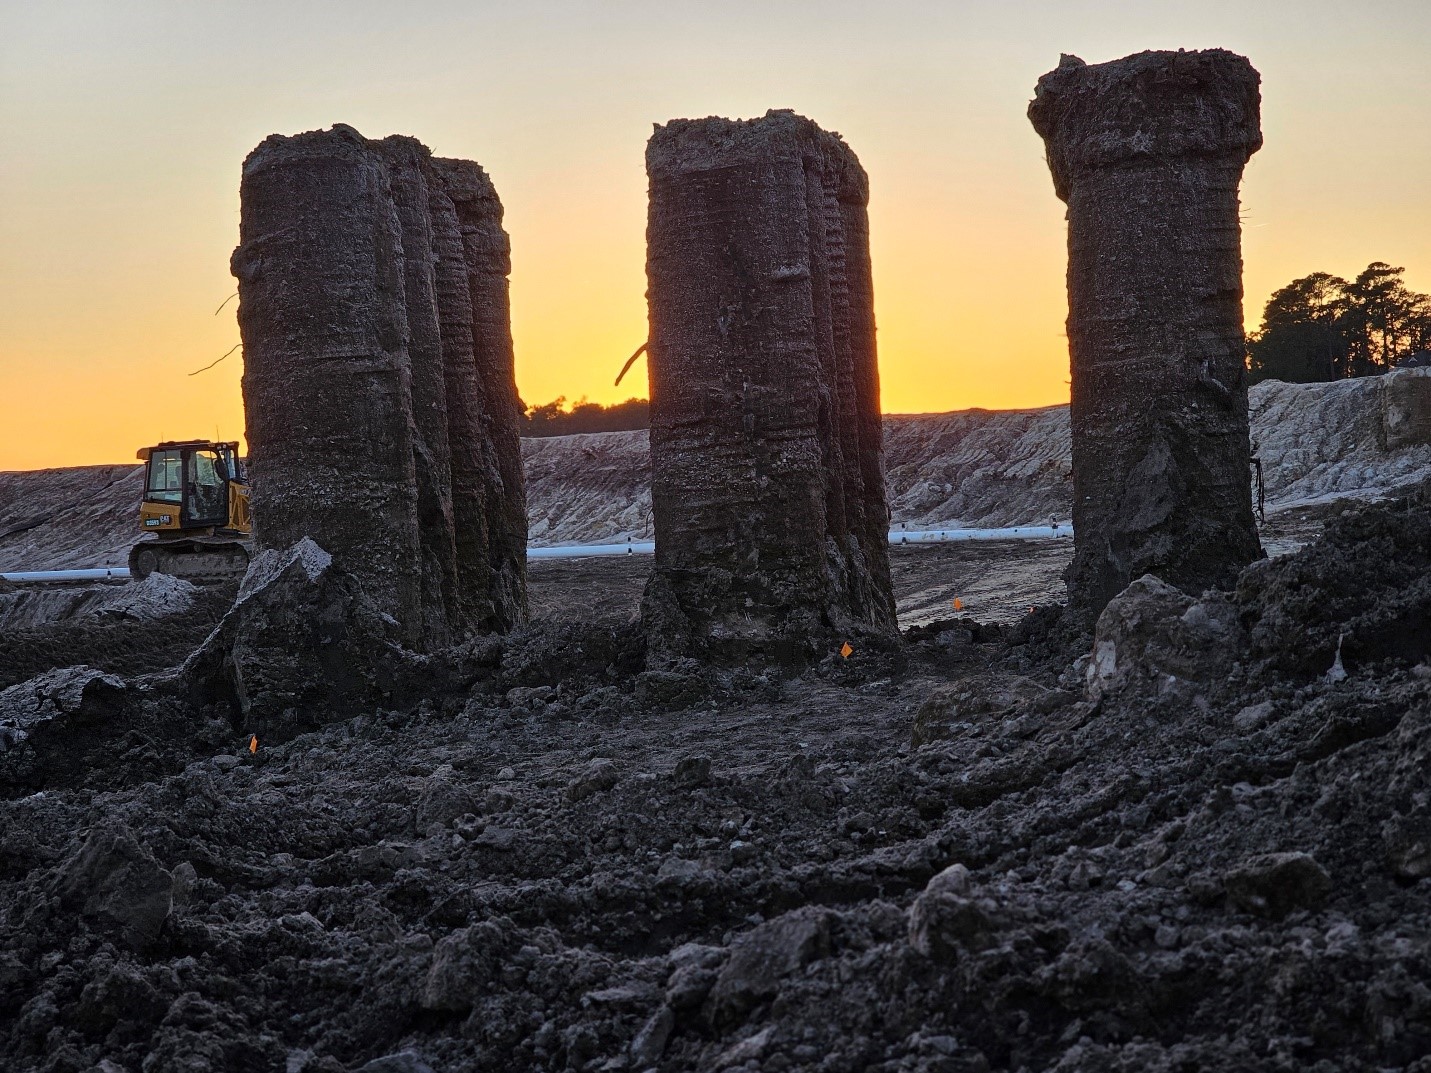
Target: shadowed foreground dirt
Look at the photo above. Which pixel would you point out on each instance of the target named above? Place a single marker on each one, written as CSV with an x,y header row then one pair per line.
x,y
1197,851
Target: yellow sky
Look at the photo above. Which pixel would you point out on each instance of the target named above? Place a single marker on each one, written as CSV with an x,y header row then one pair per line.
x,y
125,122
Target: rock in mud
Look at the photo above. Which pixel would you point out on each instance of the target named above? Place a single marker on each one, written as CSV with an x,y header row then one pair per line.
x,y
1408,845
649,1043
694,972
402,1062
1253,716
116,882
946,922
462,965
984,700
761,959
599,775
1155,639
692,771
302,645
1275,884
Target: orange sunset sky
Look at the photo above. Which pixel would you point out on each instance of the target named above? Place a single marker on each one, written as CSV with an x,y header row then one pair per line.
x,y
125,124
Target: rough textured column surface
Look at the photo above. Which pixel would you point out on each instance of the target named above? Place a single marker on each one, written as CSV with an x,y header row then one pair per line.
x,y
327,383
470,450
767,485
487,252
378,379
1148,152
407,161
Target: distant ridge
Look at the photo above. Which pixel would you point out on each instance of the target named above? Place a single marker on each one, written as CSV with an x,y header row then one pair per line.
x,y
978,468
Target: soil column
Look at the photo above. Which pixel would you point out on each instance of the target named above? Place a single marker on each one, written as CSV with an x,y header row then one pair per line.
x,y
749,342
472,609
326,383
860,397
407,162
487,252
1147,152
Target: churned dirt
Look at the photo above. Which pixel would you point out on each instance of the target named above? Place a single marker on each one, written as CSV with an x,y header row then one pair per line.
x,y
1199,840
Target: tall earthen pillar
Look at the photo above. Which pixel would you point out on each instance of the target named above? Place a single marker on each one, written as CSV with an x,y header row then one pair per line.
x,y
378,379
470,452
408,166
327,378
487,253
1147,152
767,486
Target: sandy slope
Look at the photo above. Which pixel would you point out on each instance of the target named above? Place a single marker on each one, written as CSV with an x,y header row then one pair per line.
x,y
1317,442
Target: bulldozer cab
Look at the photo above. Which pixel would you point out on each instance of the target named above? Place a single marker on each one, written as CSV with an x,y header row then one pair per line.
x,y
188,486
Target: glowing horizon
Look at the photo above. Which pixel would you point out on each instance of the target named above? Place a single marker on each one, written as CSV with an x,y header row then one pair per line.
x,y
126,130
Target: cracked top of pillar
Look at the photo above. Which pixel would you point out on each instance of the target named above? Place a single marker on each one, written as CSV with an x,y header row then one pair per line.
x,y
1144,107
465,180
340,141
683,146
402,148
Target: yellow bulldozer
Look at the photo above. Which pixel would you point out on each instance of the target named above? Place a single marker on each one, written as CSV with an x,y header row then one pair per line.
x,y
195,505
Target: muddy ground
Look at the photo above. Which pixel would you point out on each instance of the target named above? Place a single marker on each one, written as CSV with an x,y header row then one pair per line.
x,y
993,580
1208,847
50,626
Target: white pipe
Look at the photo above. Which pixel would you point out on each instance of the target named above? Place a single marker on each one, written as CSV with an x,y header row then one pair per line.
x,y
1016,532
103,573
575,551
896,537
633,547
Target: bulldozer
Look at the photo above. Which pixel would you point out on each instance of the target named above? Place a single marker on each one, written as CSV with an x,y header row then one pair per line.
x,y
196,506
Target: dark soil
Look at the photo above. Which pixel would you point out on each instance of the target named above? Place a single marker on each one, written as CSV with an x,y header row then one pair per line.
x,y
120,646
582,865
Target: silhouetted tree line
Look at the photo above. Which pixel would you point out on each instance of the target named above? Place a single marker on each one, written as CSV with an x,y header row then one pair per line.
x,y
555,418
1322,327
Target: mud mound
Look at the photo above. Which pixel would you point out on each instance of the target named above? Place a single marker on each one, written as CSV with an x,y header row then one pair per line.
x,y
123,629
1362,592
157,596
74,518
1006,467
577,865
1321,442
588,488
